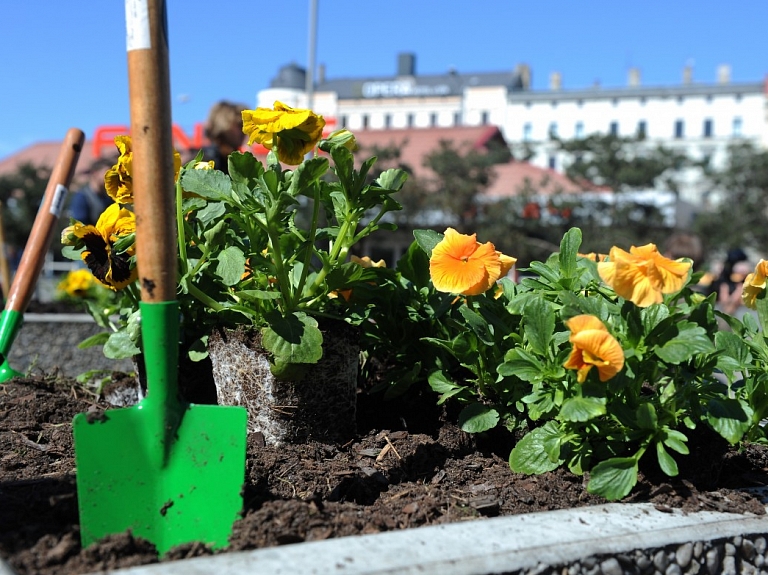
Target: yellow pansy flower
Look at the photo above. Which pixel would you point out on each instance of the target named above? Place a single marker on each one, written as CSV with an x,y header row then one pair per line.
x,y
754,284
292,132
462,265
76,283
112,269
119,178
593,346
643,275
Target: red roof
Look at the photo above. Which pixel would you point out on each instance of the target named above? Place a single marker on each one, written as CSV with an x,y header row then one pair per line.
x,y
511,178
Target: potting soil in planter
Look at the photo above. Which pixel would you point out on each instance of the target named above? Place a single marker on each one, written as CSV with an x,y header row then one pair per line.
x,y
408,466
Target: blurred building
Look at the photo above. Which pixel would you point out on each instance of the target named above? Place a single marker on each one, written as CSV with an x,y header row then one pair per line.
x,y
698,118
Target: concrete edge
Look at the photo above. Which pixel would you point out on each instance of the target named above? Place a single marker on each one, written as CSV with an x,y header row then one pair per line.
x,y
479,547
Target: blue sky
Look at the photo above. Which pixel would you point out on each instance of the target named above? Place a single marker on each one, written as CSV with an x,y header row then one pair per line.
x,y
64,63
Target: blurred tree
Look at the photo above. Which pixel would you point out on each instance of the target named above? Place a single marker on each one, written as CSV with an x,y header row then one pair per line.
x,y
21,193
461,174
622,163
738,217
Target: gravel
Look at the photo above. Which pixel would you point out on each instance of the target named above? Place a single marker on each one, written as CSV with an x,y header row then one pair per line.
x,y
47,343
738,555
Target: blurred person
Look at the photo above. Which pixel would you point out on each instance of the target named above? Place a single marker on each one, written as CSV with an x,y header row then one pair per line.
x,y
91,200
224,130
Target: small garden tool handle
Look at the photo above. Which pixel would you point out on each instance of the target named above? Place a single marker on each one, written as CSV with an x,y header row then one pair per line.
x,y
154,203
39,240
152,145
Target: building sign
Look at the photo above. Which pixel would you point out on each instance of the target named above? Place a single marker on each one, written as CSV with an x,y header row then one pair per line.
x,y
402,89
103,141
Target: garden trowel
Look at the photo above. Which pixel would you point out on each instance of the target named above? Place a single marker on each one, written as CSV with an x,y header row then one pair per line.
x,y
168,471
33,258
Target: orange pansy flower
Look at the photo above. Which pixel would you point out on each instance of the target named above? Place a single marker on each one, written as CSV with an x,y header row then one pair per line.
x,y
460,264
593,346
754,284
643,275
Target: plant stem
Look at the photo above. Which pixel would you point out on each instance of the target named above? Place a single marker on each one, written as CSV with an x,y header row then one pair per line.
x,y
310,248
205,298
182,241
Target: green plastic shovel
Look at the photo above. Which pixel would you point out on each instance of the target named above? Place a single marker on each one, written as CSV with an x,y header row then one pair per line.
x,y
168,471
37,245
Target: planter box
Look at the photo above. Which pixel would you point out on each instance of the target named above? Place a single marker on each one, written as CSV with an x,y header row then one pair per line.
x,y
606,539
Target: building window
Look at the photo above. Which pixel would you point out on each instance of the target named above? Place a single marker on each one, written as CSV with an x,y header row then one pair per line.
x,y
614,128
552,163
642,101
457,119
737,126
579,131
553,130
527,129
709,98
485,118
579,103
343,121
409,120
554,103
615,102
433,119
365,121
679,131
642,129
387,121
680,100
528,104
708,128
738,97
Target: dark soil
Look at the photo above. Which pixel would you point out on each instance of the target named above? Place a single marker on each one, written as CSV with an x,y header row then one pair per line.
x,y
408,466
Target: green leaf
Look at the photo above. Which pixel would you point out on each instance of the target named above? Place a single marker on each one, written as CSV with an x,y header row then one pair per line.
x,y
293,339
666,462
477,324
520,364
476,418
209,184
646,416
613,478
676,441
414,265
539,322
427,239
231,265
94,340
392,179
569,247
198,350
582,408
442,384
120,346
731,418
689,340
735,353
529,456
306,174
211,212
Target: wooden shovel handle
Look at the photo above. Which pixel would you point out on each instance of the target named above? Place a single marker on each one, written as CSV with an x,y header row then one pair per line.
x,y
152,146
39,240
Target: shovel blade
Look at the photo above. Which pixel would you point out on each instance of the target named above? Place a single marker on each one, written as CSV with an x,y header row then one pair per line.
x,y
193,492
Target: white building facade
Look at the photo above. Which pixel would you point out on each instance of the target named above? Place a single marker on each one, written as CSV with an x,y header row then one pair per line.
x,y
699,119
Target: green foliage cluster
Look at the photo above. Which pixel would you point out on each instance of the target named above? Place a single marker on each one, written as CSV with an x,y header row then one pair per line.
x,y
244,260
501,355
